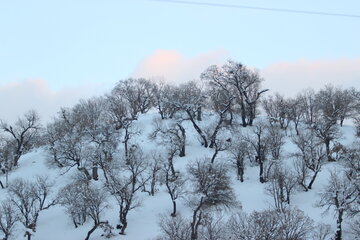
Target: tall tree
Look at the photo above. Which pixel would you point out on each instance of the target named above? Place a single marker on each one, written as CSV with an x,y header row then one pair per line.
x,y
239,82
23,133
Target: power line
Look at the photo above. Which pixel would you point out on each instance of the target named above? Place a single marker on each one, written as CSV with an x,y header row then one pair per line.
x,y
259,8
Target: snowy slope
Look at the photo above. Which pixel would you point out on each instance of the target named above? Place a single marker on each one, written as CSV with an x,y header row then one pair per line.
x,y
54,224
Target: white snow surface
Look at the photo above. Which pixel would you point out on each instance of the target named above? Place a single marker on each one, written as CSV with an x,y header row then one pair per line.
x,y
54,224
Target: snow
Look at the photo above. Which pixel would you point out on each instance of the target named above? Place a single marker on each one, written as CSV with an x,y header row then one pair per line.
x,y
54,224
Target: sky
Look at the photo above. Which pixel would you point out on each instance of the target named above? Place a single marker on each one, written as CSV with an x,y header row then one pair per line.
x,y
52,53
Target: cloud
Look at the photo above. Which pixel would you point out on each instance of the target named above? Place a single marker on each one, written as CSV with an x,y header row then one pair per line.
x,y
289,78
174,67
16,98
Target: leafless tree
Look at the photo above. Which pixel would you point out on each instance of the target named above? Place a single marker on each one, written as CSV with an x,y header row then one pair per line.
x,y
321,232
6,160
221,105
67,140
137,93
23,133
238,227
296,111
211,189
339,194
212,227
172,135
81,200
277,109
164,94
307,99
355,228
175,185
190,100
118,111
29,198
174,228
258,142
239,151
327,130
270,225
295,224
310,158
8,218
241,83
281,186
154,168
125,186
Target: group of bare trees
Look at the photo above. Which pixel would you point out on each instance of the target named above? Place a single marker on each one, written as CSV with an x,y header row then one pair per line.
x,y
26,200
97,141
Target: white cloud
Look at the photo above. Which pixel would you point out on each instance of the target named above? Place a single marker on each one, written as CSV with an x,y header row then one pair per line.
x,y
174,67
18,97
289,78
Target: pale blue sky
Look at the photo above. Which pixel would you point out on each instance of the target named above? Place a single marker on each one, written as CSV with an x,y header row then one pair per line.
x,y
73,43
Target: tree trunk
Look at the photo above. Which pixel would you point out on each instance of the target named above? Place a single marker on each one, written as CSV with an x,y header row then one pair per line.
x,y
240,171
261,173
173,214
183,135
124,225
28,235
85,171
95,174
91,231
328,151
338,234
198,113
214,155
312,180
197,128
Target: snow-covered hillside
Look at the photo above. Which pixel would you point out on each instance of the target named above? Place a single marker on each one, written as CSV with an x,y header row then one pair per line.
x,y
55,224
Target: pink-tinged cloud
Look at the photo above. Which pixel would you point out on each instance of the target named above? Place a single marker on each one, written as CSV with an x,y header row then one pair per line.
x,y
18,97
174,67
289,78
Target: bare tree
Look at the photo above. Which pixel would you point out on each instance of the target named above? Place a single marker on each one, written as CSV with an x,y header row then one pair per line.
x,y
83,200
175,185
296,111
163,97
174,228
239,151
221,105
270,225
23,133
339,194
190,100
211,189
355,228
241,83
172,134
277,109
294,224
259,144
327,130
307,99
281,186
309,159
212,227
125,187
154,167
6,160
321,232
8,218
30,198
137,93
